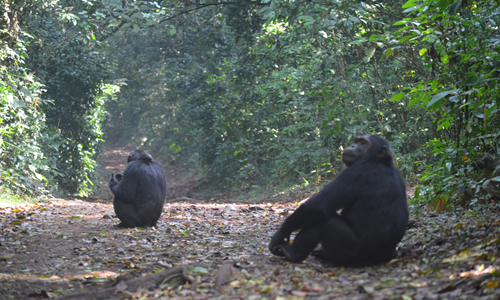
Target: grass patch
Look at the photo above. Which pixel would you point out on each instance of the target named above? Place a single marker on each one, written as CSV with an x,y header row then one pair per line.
x,y
7,197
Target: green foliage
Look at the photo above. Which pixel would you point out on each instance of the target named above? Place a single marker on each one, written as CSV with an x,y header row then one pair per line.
x,y
273,108
460,53
70,62
54,142
313,93
9,196
261,93
23,166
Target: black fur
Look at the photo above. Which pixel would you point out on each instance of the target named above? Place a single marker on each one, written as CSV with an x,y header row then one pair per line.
x,y
372,196
140,192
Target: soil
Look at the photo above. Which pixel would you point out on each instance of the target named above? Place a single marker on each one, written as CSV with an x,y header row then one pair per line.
x,y
68,246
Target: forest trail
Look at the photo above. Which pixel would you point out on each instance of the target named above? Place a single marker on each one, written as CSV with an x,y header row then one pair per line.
x,y
114,159
65,246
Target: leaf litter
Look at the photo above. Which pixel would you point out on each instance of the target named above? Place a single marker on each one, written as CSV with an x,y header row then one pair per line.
x,y
72,249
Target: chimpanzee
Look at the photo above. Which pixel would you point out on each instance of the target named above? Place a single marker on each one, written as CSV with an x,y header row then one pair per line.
x,y
372,196
140,192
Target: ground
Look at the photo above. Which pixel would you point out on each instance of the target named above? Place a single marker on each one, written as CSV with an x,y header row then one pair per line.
x,y
68,246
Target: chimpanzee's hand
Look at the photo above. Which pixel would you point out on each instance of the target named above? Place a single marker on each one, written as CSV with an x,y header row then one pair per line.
x,y
118,177
115,178
277,242
113,182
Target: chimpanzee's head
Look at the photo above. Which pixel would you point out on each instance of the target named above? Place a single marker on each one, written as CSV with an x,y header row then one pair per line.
x,y
367,147
139,155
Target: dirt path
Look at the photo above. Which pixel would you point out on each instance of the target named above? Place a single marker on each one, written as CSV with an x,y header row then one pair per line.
x,y
67,246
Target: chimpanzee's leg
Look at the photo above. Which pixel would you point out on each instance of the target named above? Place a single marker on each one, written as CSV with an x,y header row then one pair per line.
x,y
127,214
339,242
304,243
344,247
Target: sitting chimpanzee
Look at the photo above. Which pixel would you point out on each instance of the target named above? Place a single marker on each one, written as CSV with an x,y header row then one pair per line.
x,y
140,192
372,196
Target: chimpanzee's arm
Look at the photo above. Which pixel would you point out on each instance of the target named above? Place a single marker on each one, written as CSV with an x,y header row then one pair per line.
x,y
126,188
161,179
302,217
336,195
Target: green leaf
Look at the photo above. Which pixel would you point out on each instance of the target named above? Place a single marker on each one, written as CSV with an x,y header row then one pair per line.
x,y
388,52
454,7
412,102
473,80
337,128
307,19
370,52
444,3
398,97
400,23
491,110
354,19
422,51
16,103
199,271
440,96
410,3
357,41
434,84
410,9
405,38
26,93
422,97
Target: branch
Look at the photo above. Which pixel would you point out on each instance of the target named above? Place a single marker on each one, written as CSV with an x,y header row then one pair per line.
x,y
133,284
67,36
412,62
200,6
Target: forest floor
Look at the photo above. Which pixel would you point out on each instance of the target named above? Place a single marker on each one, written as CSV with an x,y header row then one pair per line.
x,y
206,249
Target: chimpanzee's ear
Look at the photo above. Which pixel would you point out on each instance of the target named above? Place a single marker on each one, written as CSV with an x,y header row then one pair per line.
x,y
382,152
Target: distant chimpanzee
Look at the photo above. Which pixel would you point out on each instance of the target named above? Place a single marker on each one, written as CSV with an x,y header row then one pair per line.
x,y
140,192
372,196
